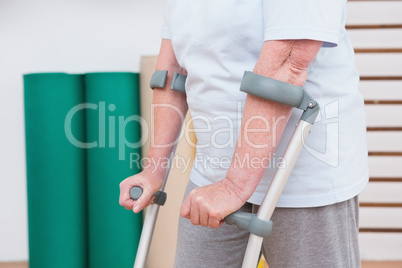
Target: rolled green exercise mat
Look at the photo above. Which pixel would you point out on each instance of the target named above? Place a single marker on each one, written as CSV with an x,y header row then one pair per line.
x,y
55,170
113,135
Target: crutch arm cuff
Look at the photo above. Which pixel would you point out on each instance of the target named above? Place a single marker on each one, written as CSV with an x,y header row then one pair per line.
x,y
178,82
281,92
158,79
271,89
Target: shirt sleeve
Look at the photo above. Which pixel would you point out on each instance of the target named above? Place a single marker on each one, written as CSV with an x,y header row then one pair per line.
x,y
165,27
320,20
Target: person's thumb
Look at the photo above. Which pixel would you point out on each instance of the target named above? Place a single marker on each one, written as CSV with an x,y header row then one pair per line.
x,y
144,201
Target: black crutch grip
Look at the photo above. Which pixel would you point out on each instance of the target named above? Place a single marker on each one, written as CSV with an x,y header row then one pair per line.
x,y
160,197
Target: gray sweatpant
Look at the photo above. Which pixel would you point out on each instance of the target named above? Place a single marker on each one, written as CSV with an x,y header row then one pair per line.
x,y
321,237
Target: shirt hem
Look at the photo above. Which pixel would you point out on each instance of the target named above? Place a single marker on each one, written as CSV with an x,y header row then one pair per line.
x,y
318,200
330,39
165,34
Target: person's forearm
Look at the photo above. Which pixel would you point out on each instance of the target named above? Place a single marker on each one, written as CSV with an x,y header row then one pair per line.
x,y
168,111
264,121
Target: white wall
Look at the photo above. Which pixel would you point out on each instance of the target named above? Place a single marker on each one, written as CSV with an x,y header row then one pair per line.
x,y
70,36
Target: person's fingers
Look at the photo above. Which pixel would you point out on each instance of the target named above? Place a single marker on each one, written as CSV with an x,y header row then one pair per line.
x,y
185,209
221,223
128,204
194,213
124,198
204,217
204,207
214,219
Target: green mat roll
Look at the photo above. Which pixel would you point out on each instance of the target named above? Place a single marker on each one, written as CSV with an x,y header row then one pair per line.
x,y
112,125
55,171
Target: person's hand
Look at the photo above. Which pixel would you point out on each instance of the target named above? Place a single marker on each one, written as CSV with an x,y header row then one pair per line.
x,y
149,182
209,205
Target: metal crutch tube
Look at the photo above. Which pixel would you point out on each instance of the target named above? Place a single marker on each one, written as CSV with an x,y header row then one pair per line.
x,y
151,214
290,95
275,190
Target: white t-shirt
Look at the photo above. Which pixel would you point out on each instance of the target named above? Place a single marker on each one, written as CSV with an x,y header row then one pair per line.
x,y
216,41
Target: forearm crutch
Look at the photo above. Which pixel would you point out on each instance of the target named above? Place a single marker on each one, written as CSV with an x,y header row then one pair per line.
x,y
290,95
259,225
158,80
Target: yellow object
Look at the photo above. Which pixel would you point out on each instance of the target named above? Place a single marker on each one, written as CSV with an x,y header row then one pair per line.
x,y
263,263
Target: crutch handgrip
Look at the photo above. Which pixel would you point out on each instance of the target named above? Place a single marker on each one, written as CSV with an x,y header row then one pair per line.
x,y
160,197
250,222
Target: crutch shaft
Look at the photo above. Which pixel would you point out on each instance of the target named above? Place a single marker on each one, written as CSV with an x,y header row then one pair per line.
x,y
275,190
146,235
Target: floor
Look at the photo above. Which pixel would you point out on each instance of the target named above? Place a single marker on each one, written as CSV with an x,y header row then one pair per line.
x,y
365,264
391,264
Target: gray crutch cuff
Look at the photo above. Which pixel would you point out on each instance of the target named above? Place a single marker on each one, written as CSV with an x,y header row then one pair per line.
x,y
158,80
178,83
281,92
